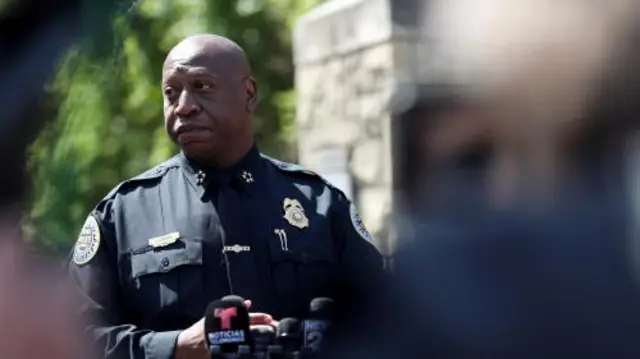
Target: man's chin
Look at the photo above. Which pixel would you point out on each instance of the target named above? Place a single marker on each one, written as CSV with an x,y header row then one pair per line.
x,y
196,149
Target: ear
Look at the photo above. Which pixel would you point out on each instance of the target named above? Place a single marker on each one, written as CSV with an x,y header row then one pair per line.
x,y
251,90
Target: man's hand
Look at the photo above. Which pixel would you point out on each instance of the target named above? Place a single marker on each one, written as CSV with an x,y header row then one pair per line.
x,y
260,319
192,343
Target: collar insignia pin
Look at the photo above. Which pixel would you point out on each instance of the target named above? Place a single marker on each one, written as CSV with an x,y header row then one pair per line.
x,y
200,177
247,177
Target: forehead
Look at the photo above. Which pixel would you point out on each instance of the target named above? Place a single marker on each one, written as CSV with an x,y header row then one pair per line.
x,y
193,60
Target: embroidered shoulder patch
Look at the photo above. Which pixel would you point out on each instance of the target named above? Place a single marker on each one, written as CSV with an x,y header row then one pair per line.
x,y
88,242
358,225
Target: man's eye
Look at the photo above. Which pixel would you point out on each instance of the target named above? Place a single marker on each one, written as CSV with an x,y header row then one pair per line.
x,y
169,92
203,86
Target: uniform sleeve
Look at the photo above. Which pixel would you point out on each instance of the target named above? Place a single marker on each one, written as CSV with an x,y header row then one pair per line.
x,y
94,274
360,285
361,264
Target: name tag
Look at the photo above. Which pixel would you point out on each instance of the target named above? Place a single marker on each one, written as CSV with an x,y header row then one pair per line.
x,y
165,240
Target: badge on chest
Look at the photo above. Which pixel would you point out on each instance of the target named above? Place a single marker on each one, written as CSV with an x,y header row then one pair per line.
x,y
294,213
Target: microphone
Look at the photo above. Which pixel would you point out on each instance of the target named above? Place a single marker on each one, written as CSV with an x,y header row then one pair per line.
x,y
320,317
288,335
226,325
262,337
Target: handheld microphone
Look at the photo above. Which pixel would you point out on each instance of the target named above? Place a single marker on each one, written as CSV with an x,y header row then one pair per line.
x,y
288,335
226,325
261,338
320,317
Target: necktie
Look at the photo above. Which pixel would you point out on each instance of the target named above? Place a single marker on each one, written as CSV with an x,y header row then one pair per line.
x,y
241,268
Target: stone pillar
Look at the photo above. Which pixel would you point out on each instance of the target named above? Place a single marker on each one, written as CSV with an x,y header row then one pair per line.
x,y
351,56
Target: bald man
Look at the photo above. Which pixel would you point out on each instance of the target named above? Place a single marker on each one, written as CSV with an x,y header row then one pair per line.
x,y
219,218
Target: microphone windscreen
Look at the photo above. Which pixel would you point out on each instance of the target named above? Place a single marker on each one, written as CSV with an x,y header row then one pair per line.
x,y
262,336
314,328
234,298
321,309
289,334
226,324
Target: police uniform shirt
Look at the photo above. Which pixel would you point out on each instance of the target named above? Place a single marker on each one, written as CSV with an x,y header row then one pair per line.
x,y
162,245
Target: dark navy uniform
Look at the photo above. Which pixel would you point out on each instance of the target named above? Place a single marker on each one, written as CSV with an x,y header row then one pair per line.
x,y
164,244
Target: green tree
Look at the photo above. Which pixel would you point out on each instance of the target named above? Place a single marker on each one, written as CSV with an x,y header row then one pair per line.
x,y
106,98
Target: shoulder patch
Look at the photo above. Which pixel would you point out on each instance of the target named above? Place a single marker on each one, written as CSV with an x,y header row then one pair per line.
x,y
88,242
358,225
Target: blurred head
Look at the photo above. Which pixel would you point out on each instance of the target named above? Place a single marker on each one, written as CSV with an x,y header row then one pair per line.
x,y
543,69
209,96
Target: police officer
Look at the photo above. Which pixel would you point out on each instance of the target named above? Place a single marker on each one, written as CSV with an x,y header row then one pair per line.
x,y
219,218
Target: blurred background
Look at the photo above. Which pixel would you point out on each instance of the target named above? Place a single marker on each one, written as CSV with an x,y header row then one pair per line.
x,y
397,102
387,99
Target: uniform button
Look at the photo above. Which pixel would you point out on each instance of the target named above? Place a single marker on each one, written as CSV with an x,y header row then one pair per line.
x,y
165,261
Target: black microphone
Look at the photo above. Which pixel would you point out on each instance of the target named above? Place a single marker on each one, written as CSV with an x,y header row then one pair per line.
x,y
288,335
261,338
320,317
226,325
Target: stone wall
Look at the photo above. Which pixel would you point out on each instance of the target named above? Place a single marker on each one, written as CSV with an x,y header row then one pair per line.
x,y
351,58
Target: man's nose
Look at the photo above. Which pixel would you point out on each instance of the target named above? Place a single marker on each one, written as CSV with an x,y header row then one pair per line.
x,y
187,105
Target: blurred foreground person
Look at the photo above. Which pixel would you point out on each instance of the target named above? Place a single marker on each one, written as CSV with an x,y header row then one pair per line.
x,y
36,306
546,266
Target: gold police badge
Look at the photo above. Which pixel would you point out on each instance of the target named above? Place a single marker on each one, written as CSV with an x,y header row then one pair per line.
x,y
294,213
88,242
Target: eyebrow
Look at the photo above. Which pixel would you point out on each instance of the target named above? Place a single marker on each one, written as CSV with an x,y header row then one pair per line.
x,y
188,70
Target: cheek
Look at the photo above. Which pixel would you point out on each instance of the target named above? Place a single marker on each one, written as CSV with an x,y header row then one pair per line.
x,y
169,119
168,111
223,109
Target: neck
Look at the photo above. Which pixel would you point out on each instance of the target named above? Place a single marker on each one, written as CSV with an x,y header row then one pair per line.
x,y
231,155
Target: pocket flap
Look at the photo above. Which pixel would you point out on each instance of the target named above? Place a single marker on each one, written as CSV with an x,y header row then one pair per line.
x,y
305,254
149,260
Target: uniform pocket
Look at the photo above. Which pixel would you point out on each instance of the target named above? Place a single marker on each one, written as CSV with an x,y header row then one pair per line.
x,y
168,283
304,272
317,270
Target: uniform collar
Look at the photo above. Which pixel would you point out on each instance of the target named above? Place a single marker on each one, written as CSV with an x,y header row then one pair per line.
x,y
246,173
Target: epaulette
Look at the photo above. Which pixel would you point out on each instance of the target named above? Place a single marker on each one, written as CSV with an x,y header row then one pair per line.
x,y
290,167
150,174
296,168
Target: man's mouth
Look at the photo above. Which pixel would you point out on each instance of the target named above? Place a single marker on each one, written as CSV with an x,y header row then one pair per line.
x,y
189,133
189,128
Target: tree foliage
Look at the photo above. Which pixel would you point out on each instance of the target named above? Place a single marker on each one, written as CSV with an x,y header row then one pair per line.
x,y
106,99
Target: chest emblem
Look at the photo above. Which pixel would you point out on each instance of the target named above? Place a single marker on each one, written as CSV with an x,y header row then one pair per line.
x,y
294,213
